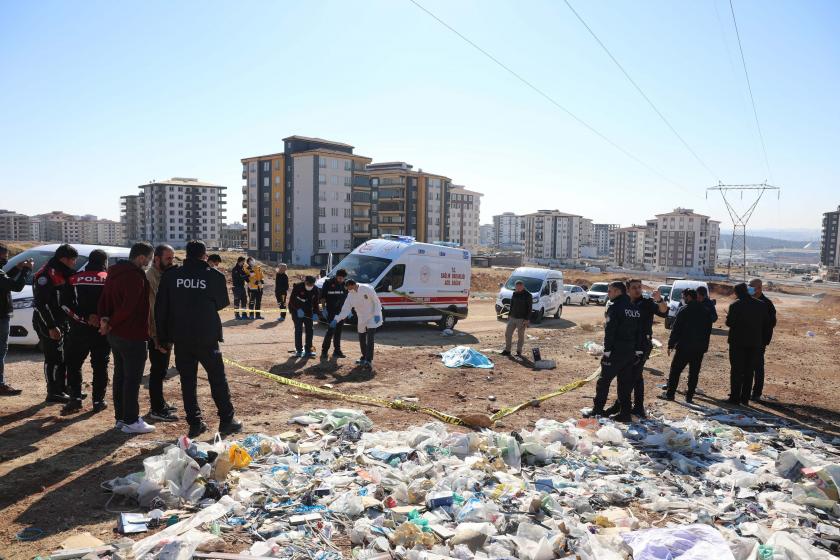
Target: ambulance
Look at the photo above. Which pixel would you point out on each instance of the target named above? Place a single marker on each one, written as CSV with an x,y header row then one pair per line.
x,y
416,282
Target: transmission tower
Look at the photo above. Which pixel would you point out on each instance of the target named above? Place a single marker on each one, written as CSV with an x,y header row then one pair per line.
x,y
740,219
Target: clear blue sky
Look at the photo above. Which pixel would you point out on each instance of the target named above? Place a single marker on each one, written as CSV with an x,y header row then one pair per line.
x,y
99,97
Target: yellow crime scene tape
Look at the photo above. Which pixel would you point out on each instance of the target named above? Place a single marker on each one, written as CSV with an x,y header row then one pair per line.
x,y
468,420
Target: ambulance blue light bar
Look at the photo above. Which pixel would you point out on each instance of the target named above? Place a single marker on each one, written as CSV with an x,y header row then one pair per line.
x,y
400,238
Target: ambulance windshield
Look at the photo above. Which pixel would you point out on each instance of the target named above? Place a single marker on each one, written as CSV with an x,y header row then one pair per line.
x,y
363,268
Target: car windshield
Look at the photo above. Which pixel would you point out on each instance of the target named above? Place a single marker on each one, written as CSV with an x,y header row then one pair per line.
x,y
533,285
676,293
40,257
600,288
363,268
664,290
568,287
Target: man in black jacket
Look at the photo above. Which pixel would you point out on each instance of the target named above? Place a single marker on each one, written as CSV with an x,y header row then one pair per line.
x,y
83,338
239,287
333,294
521,305
50,321
12,281
708,303
758,377
281,290
748,320
303,304
623,348
690,337
187,315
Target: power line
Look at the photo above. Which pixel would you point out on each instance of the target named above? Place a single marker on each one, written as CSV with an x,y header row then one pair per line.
x,y
749,87
549,98
639,89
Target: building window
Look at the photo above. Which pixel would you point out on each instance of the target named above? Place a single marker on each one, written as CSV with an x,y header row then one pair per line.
x,y
347,165
346,212
322,228
320,243
277,212
335,228
322,162
334,179
266,197
322,179
266,227
335,243
334,212
277,180
334,163
322,196
322,212
266,182
278,163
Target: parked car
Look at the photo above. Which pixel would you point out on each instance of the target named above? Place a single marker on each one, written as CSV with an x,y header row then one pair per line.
x,y
598,293
664,290
545,286
576,295
21,331
675,301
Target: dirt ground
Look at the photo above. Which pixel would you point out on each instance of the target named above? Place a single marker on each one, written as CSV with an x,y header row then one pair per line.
x,y
51,467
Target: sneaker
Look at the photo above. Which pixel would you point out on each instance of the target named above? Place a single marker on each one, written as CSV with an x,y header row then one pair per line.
x,y
298,354
58,398
71,407
162,416
361,362
232,426
8,391
99,406
138,427
665,397
311,355
504,353
733,401
367,365
83,396
118,425
197,429
338,354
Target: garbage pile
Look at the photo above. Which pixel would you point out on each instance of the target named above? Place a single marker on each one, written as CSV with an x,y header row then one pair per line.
x,y
587,489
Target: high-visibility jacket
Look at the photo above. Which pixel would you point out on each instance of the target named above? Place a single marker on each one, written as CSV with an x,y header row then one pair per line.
x,y
255,277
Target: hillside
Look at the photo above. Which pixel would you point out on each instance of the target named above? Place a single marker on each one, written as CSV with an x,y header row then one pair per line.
x,y
758,243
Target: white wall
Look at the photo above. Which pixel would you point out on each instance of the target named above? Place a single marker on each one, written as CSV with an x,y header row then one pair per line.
x,y
304,210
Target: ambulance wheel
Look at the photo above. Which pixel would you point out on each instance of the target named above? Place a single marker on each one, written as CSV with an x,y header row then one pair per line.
x,y
448,321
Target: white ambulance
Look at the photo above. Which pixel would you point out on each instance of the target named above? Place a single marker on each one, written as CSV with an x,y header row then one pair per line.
x,y
414,281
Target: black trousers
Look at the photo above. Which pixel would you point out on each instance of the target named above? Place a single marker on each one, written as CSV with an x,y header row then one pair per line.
x,y
55,369
159,366
254,302
366,343
187,358
302,324
758,375
129,363
620,367
742,362
691,358
281,303
83,341
333,336
240,301
638,383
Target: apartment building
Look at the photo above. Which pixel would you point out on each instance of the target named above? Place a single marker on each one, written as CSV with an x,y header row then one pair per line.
x,y
133,217
629,247
603,238
552,237
509,231
14,226
830,245
310,200
464,212
35,228
485,235
588,248
177,210
60,227
233,236
682,242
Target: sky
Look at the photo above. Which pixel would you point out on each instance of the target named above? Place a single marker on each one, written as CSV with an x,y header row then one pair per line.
x,y
100,97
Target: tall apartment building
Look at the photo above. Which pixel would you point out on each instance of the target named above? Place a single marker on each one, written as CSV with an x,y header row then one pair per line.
x,y
233,235
133,217
14,226
683,242
588,248
485,235
464,212
35,228
509,231
629,247
61,227
175,211
408,202
552,236
830,245
311,199
603,238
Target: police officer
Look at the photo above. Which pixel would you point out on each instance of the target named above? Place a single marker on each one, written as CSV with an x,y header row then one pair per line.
x,y
622,350
50,321
281,290
647,309
333,294
83,338
748,320
187,315
239,281
303,304
690,337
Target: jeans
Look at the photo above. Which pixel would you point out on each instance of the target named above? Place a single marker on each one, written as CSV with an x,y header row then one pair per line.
x,y
187,358
612,367
517,325
691,358
366,341
83,341
129,363
4,344
159,365
758,376
303,324
240,301
742,360
55,369
254,302
333,335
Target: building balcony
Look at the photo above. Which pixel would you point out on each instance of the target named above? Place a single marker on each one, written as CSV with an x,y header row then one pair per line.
x,y
360,181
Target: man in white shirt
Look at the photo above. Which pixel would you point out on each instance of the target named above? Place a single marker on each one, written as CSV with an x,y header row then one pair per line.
x,y
364,300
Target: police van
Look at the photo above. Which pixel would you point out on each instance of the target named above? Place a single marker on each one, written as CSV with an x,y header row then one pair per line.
x,y
420,282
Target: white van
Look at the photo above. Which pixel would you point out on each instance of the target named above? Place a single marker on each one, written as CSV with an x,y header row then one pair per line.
x,y
546,287
23,303
675,297
414,281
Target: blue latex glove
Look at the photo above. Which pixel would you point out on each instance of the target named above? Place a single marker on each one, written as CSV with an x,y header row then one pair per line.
x,y
333,324
314,318
376,318
300,313
324,314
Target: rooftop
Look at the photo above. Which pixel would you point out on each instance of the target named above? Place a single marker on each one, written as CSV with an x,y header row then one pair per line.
x,y
316,151
311,139
184,181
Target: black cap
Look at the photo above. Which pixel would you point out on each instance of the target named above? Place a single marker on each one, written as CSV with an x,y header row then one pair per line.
x,y
309,279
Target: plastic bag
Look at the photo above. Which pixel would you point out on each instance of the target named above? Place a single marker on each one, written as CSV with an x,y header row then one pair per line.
x,y
686,542
239,458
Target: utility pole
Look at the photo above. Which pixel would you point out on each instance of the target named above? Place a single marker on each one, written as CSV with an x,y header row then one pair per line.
x,y
740,220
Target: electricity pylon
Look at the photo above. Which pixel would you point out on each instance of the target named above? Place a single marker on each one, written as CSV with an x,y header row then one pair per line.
x,y
740,220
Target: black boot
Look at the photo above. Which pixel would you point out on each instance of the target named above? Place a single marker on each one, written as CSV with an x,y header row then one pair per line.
x,y
614,409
